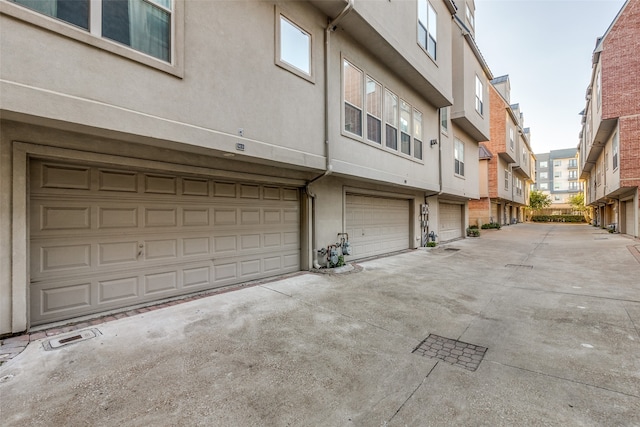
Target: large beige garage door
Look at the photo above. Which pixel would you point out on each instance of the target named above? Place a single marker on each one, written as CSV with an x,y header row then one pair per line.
x,y
376,225
451,226
103,238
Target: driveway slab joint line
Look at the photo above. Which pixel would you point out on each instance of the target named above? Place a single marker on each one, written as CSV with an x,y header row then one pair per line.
x,y
413,392
565,379
631,320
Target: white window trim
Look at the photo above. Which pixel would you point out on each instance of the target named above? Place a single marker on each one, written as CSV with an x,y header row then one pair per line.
x,y
456,142
427,29
176,67
283,63
479,98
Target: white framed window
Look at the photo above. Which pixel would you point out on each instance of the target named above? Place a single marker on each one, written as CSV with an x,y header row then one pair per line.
x,y
294,47
405,127
506,179
573,174
374,110
544,186
458,154
573,186
573,163
557,174
417,134
479,96
470,18
524,156
557,163
557,198
427,27
146,26
352,98
444,120
544,175
599,88
511,138
544,164
614,149
391,119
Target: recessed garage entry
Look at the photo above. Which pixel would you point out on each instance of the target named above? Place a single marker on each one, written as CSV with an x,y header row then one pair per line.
x,y
451,226
376,225
103,238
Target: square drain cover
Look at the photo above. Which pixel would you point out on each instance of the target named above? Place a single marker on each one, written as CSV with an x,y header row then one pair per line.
x,y
71,338
451,351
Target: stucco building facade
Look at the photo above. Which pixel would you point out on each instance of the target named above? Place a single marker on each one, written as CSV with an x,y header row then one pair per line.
x,y
153,149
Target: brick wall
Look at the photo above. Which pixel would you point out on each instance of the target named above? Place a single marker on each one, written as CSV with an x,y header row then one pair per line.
x,y
498,134
630,150
621,65
479,211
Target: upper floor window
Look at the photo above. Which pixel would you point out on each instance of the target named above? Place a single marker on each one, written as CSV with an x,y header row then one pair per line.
x,y
544,186
391,119
459,157
352,99
524,156
403,124
479,96
557,163
544,164
573,163
444,119
573,185
544,175
374,110
294,47
143,25
417,134
506,179
512,142
599,88
573,174
427,27
470,19
615,150
557,174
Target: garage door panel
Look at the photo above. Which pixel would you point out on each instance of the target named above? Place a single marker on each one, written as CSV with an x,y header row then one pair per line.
x,y
450,216
119,238
376,225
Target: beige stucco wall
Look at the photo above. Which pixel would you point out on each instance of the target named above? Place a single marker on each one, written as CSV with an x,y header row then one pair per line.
x,y
466,187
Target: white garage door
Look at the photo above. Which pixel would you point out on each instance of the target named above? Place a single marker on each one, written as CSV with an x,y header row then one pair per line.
x,y
376,225
629,218
451,226
103,238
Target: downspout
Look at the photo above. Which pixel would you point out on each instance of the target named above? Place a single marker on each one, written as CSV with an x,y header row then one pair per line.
x,y
327,140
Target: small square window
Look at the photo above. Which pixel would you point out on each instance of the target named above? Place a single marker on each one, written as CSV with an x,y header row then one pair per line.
x,y
293,51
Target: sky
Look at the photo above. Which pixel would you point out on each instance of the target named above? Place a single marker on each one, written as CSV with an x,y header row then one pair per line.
x,y
545,46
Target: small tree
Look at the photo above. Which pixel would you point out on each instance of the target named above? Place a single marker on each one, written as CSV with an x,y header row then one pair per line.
x,y
538,200
577,202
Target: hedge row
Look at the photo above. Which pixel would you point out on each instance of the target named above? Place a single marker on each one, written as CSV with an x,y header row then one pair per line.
x,y
557,218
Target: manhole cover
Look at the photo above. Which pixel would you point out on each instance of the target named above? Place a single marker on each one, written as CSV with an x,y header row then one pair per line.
x,y
451,351
519,266
71,338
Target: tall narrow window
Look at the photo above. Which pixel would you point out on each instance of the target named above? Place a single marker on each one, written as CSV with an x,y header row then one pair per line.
x,y
506,179
417,134
599,88
427,27
352,99
470,19
615,151
444,119
459,157
405,127
511,138
391,118
295,46
479,96
374,111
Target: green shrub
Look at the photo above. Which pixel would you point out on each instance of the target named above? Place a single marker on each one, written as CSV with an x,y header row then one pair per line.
x,y
432,244
557,218
495,225
473,232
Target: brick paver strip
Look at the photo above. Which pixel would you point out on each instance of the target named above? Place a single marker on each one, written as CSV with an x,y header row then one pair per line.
x,y
452,351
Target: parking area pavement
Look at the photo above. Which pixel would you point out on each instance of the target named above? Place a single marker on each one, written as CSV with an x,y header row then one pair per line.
x,y
543,321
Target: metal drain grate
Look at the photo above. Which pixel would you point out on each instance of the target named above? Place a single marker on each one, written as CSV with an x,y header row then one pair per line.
x,y
451,249
451,351
519,266
72,338
600,238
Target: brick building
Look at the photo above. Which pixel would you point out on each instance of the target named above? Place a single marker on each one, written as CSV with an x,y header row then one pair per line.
x,y
610,138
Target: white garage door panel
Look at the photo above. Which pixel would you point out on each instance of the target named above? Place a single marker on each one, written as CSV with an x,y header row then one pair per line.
x,y
376,225
103,239
629,218
450,221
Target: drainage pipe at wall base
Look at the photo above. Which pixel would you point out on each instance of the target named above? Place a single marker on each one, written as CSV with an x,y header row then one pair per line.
x,y
327,140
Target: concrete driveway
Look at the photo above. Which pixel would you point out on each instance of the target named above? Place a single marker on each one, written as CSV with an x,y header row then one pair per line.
x,y
556,307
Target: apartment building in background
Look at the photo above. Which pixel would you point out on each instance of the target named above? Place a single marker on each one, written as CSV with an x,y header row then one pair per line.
x,y
609,149
557,176
168,153
507,163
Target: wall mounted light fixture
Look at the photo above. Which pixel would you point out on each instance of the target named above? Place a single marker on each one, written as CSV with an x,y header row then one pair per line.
x,y
433,142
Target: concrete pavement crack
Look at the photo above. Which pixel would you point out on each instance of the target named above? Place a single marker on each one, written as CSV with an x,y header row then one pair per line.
x,y
631,320
565,379
412,393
